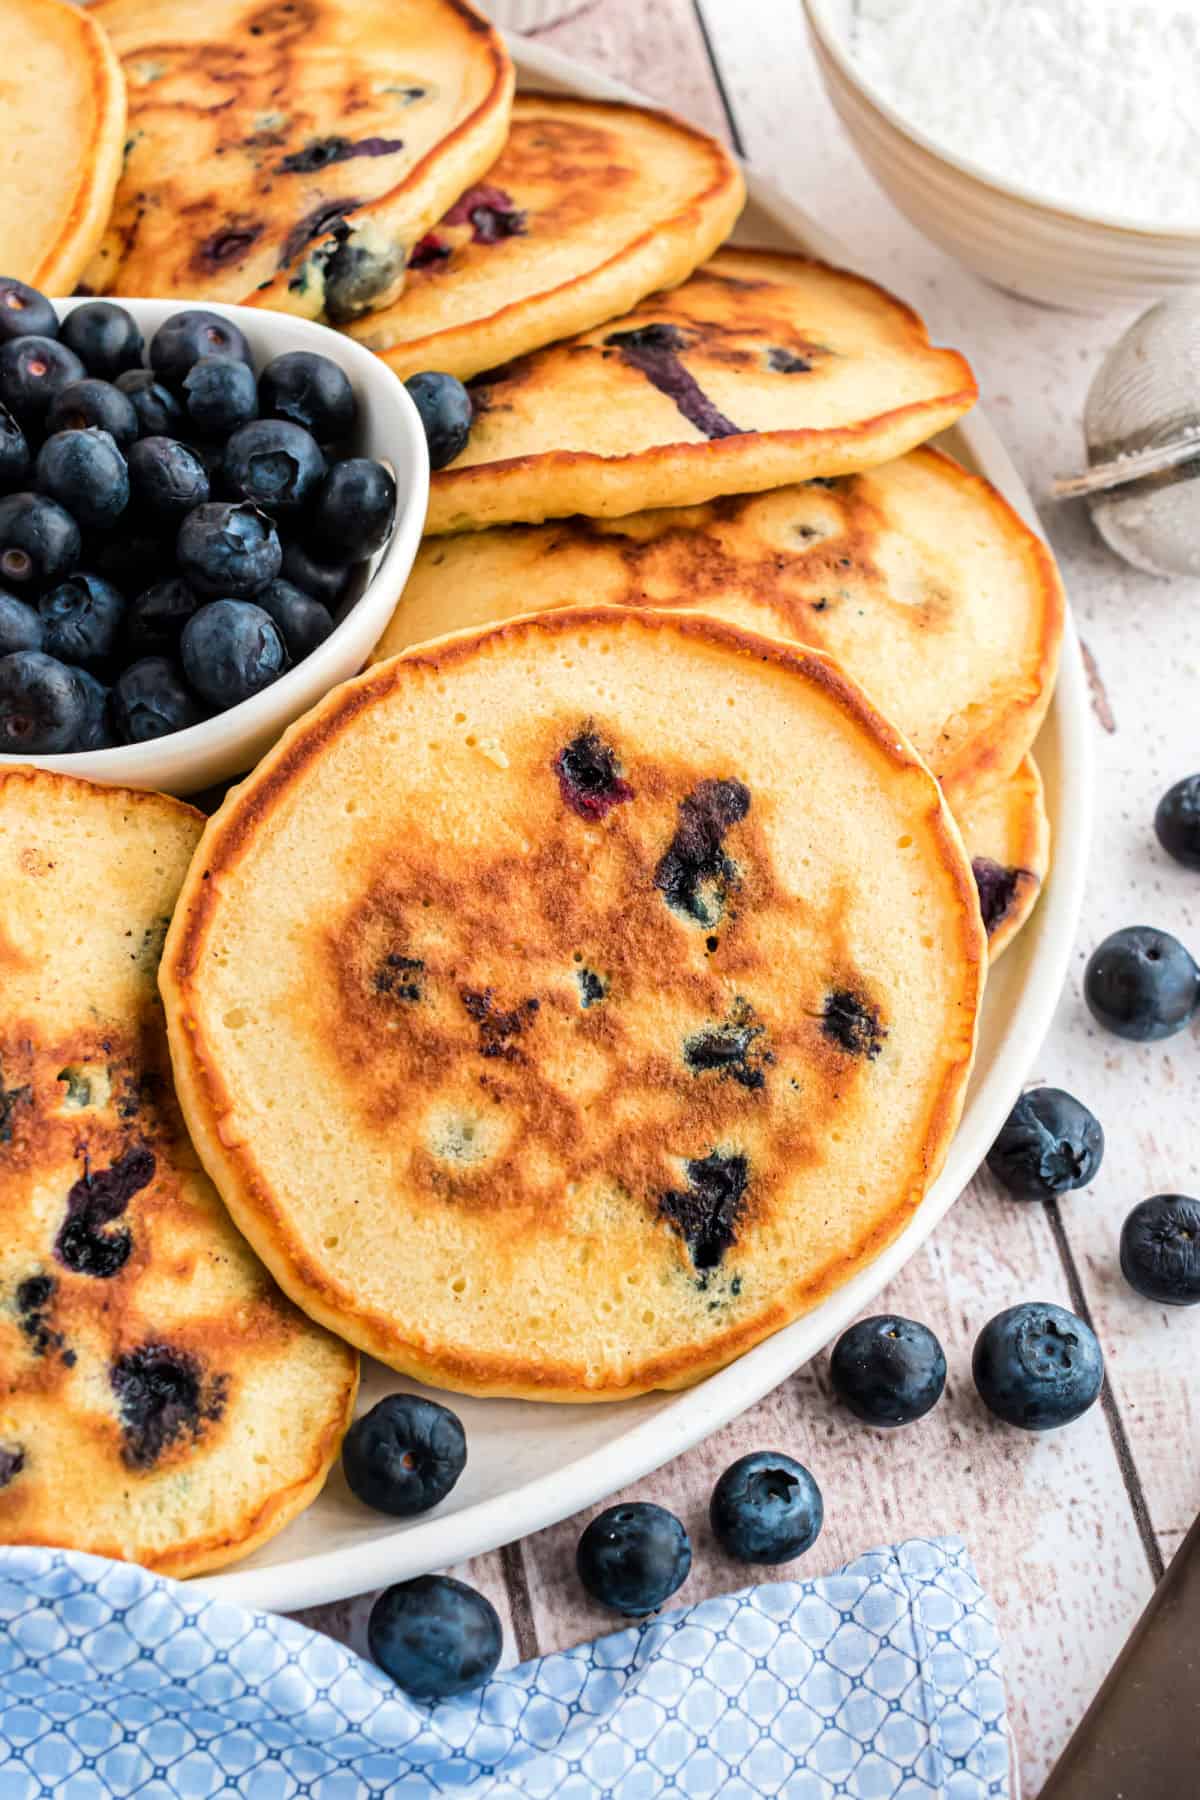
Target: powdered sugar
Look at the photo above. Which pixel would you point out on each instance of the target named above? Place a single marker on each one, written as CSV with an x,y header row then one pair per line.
x,y
1093,104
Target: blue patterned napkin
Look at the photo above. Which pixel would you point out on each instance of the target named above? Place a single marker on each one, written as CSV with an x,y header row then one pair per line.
x,y
879,1683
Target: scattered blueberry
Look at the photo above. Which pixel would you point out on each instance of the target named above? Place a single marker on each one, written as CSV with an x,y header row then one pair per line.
x,y
39,541
96,732
24,312
326,582
185,337
355,506
150,699
82,617
15,460
21,626
888,1370
99,403
1037,1366
303,622
159,413
1142,984
231,649
166,479
446,414
1160,1250
436,1637
86,473
404,1455
32,371
219,394
275,464
1049,1144
1177,821
156,617
766,1508
633,1557
42,706
227,549
104,337
311,391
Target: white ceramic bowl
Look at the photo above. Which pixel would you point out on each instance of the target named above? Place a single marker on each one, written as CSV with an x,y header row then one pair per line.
x,y
389,429
1086,261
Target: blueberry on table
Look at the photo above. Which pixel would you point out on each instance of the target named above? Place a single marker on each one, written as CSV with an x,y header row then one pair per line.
x,y
32,371
104,337
1177,821
275,464
1037,1366
24,312
404,1455
1160,1250
1049,1144
1142,984
888,1370
150,700
42,706
99,403
326,582
82,617
355,506
633,1557
39,541
186,336
21,626
155,618
96,731
219,394
766,1508
303,622
85,472
446,414
227,549
230,650
167,479
309,390
436,1637
159,413
15,457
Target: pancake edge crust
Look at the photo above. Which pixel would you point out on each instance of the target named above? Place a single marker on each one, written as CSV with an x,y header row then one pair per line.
x,y
203,1555
205,1099
1029,849
660,257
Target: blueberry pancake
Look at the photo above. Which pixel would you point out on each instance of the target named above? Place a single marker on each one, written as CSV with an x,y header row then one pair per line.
x,y
160,1400
760,369
592,205
919,578
561,1008
1007,837
62,126
289,153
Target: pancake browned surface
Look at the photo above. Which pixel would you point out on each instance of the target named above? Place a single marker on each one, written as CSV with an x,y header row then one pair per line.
x,y
289,153
1007,836
563,1008
919,578
62,126
758,370
160,1400
591,206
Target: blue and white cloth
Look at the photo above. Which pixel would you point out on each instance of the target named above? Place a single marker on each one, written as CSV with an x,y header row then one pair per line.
x,y
881,1682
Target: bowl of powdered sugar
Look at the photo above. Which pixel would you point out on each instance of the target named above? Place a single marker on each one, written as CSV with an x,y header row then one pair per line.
x,y
1051,145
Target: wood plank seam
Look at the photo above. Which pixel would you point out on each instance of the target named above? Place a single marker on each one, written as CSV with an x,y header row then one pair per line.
x,y
520,1602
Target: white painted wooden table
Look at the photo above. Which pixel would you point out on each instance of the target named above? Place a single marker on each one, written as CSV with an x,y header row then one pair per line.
x,y
1069,1531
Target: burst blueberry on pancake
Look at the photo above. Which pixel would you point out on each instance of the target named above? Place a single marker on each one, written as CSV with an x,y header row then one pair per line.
x,y
289,153
160,1400
1007,837
562,1008
592,205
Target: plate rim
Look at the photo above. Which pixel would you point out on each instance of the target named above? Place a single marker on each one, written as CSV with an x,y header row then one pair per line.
x,y
434,1542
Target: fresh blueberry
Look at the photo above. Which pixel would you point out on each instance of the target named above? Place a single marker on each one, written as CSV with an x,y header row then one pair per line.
x,y
436,1637
24,312
277,465
21,627
356,275
404,1455
1142,984
231,649
39,541
311,391
32,371
888,1370
15,458
446,414
303,622
185,337
220,394
1049,1144
1160,1250
82,617
96,732
156,617
633,1557
355,506
1037,1366
227,548
766,1508
166,479
104,337
326,582
92,402
131,559
150,700
42,706
159,413
85,472
1177,821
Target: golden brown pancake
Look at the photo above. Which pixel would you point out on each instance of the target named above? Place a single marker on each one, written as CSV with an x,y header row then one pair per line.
x,y
1007,836
288,153
160,1400
592,205
562,1008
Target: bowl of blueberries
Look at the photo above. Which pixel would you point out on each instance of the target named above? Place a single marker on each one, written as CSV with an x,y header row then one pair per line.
x,y
207,515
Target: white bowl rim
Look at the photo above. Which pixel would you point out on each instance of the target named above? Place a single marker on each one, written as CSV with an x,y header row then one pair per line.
x,y
830,41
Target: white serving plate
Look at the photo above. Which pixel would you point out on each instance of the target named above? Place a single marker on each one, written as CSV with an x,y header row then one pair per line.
x,y
532,1464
